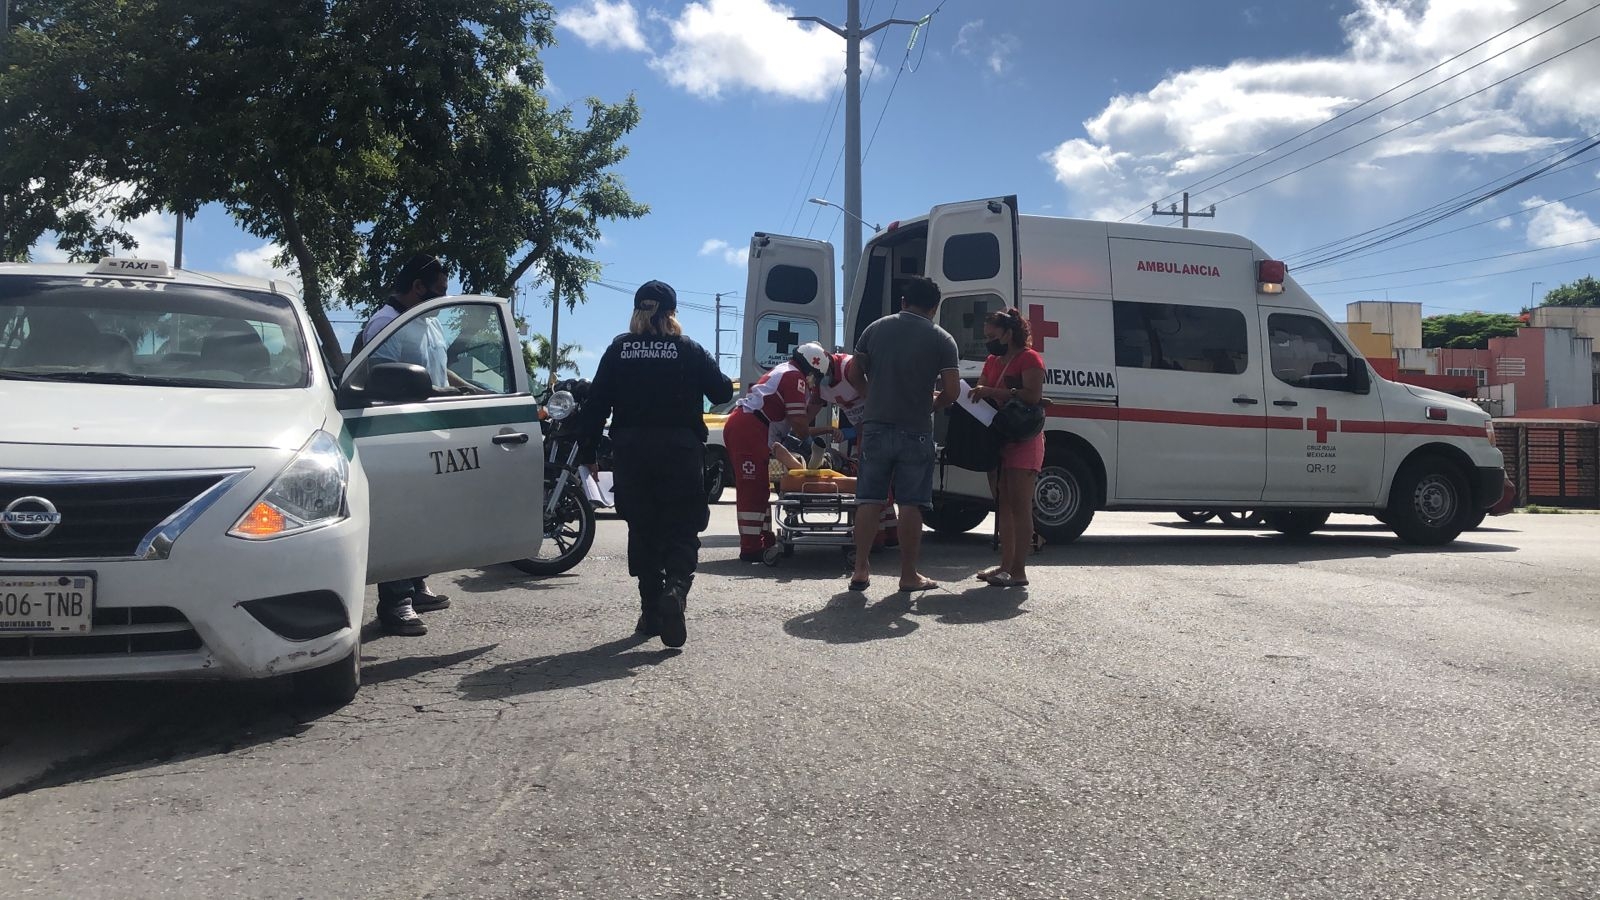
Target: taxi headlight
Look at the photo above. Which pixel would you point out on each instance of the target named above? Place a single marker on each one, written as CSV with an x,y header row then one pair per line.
x,y
308,493
560,405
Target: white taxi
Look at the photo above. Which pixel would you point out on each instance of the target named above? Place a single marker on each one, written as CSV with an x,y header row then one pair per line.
x,y
189,489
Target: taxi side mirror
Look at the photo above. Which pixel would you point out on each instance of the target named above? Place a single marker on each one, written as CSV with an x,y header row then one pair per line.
x,y
398,383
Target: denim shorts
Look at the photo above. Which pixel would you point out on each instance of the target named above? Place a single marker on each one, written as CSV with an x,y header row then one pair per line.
x,y
898,461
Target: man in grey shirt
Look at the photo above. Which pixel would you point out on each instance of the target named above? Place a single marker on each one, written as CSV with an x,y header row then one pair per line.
x,y
900,359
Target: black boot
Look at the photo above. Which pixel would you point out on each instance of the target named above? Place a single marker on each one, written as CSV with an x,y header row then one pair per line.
x,y
669,608
649,592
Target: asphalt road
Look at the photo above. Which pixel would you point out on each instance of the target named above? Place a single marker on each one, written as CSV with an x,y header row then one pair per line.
x,y
1169,711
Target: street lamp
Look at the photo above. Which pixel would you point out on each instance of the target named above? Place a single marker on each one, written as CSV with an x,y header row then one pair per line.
x,y
1532,289
821,202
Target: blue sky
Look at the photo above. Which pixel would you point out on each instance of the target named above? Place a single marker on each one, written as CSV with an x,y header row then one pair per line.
x,y
1081,109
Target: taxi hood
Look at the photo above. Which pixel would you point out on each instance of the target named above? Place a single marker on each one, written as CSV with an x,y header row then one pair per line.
x,y
137,415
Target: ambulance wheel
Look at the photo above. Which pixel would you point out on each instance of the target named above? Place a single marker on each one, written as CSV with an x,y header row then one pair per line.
x,y
1196,516
771,555
1296,522
1427,502
954,518
330,686
1474,521
1063,498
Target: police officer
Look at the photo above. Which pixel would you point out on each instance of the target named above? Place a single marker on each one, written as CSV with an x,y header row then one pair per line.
x,y
652,382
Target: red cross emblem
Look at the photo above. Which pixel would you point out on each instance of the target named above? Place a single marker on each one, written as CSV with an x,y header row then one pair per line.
x,y
1322,425
1040,326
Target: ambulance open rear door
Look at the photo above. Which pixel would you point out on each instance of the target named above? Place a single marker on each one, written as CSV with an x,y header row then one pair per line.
x,y
789,300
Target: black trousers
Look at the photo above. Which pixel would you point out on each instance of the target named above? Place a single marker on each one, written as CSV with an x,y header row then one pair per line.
x,y
392,592
659,480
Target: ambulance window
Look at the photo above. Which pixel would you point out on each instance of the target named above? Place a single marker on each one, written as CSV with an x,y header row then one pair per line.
x,y
1306,354
963,318
1181,338
791,284
972,257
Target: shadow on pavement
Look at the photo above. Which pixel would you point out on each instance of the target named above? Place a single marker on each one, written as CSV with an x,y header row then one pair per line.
x,y
90,730
504,577
974,606
850,619
412,666
578,668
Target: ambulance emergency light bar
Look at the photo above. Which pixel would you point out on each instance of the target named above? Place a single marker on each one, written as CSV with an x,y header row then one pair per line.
x,y
1269,276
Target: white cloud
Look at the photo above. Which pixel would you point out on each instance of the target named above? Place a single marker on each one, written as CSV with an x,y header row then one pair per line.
x,y
738,257
261,262
996,52
749,45
613,24
1557,224
1145,145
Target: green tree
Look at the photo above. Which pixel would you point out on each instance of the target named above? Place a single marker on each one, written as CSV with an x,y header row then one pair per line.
x,y
536,352
1583,292
1468,331
349,132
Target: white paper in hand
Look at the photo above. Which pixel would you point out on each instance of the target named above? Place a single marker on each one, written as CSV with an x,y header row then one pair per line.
x,y
979,409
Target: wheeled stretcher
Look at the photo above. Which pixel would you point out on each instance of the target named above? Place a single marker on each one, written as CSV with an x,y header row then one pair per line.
x,y
814,508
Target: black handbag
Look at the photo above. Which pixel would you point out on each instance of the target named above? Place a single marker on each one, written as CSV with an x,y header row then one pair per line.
x,y
968,444
1017,421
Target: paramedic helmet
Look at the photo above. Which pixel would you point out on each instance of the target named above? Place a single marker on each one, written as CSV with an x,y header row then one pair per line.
x,y
813,359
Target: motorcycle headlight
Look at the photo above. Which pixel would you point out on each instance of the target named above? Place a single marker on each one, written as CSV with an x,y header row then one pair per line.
x,y
309,493
560,405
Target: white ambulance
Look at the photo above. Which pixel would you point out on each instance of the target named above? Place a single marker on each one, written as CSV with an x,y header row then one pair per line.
x,y
1184,369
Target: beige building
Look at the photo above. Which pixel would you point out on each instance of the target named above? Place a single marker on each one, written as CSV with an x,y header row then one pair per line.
x,y
1400,323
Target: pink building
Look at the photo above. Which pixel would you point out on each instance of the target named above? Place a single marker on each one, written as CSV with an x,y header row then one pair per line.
x,y
1549,367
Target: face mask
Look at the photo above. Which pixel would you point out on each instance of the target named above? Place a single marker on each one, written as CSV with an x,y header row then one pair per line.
x,y
997,348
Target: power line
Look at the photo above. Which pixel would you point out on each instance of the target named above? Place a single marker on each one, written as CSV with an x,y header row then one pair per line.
x,y
1426,211
1449,265
1196,185
1395,287
1456,210
1412,121
1510,215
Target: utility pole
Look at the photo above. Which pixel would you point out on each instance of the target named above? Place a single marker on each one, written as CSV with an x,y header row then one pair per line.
x,y
1185,212
717,351
853,33
1532,289
177,244
555,328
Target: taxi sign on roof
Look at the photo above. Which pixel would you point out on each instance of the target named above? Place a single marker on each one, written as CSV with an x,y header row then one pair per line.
x,y
144,268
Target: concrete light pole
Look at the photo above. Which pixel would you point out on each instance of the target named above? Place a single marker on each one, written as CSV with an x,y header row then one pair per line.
x,y
853,33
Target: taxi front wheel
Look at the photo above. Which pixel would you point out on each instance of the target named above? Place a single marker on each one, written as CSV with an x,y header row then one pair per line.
x,y
330,686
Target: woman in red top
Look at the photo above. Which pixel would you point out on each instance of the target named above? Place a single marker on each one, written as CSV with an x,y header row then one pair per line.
x,y
1012,372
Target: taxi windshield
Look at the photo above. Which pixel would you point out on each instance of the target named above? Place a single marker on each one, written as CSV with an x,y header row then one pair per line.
x,y
129,331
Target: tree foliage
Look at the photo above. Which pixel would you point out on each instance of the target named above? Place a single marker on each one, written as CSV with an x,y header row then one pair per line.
x,y
1468,331
536,351
1583,292
351,133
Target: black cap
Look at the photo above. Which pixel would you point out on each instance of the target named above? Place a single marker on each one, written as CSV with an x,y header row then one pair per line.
x,y
420,266
666,299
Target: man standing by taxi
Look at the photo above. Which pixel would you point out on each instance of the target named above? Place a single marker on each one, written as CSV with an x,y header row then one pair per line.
x,y
912,368
421,343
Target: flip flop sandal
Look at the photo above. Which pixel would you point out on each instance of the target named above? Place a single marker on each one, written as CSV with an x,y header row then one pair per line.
x,y
1004,580
860,584
927,584
987,574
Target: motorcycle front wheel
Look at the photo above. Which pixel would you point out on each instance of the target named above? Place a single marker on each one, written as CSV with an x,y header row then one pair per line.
x,y
568,535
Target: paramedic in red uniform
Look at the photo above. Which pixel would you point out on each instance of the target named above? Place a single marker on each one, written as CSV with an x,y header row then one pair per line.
x,y
654,381
836,390
778,405
1014,371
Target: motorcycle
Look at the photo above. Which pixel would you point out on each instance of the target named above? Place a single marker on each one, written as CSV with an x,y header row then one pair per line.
x,y
569,520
